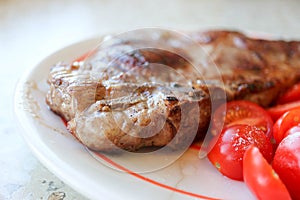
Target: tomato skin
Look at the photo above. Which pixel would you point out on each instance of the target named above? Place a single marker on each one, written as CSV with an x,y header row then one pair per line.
x,y
228,151
294,129
260,177
287,163
242,112
277,111
284,123
292,94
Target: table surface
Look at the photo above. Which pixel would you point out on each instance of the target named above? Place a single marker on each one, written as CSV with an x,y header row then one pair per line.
x,y
31,30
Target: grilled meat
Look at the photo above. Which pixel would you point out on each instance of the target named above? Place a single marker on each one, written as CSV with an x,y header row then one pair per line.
x,y
125,98
252,69
152,116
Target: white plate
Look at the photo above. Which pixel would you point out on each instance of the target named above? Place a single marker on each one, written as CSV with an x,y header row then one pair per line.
x,y
187,178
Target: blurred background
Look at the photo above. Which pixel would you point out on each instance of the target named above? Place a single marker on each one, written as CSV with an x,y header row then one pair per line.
x,y
30,30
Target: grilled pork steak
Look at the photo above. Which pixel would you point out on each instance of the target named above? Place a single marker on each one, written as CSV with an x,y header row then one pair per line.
x,y
125,98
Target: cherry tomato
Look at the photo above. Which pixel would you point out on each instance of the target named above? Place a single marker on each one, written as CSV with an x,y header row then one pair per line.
x,y
292,94
284,123
242,112
277,111
260,177
228,151
287,163
294,129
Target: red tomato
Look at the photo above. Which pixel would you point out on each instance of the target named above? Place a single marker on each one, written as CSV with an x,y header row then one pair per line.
x,y
260,177
294,129
284,123
279,110
287,163
292,94
228,151
242,112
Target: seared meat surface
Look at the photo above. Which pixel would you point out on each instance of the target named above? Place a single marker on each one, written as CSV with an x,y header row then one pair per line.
x,y
124,98
150,117
252,69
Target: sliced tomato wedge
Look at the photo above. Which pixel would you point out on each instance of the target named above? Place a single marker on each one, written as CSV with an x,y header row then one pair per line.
x,y
287,163
242,112
277,111
260,177
292,94
229,148
284,123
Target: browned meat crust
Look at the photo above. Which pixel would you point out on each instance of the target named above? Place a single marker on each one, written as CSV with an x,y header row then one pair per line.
x,y
253,69
120,106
